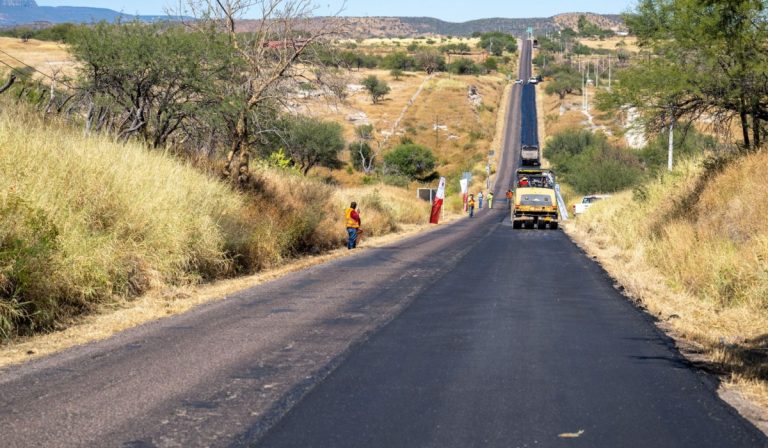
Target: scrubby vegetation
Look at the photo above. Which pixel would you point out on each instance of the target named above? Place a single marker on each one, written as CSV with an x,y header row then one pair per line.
x,y
691,246
87,220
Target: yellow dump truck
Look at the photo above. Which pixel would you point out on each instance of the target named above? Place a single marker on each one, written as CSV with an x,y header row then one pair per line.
x,y
535,200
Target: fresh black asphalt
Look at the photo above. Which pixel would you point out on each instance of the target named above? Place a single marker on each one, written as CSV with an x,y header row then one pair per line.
x,y
525,340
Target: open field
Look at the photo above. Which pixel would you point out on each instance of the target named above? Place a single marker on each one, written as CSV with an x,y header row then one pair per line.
x,y
48,57
628,43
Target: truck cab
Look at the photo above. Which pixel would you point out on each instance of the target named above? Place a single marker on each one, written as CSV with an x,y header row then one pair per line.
x,y
535,200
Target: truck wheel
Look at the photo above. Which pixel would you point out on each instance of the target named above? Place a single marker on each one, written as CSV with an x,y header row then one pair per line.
x,y
553,225
516,224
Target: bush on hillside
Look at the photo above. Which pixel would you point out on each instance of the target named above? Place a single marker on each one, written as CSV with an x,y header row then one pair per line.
x,y
410,160
590,164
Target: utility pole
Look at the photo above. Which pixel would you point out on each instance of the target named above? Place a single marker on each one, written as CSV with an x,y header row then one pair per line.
x,y
597,73
609,72
437,131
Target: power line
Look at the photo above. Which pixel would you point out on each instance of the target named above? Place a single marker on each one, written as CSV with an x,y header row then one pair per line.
x,y
31,67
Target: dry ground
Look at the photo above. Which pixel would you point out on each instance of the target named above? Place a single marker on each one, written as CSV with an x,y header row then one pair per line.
x,y
169,302
47,57
628,43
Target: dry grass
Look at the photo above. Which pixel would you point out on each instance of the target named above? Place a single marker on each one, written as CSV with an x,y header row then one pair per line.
x,y
628,43
692,250
89,221
47,57
157,304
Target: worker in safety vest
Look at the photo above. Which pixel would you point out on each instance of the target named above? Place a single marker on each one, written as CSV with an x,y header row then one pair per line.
x,y
471,205
510,196
490,199
353,225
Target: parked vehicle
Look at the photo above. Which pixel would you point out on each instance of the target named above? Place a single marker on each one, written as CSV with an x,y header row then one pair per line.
x,y
518,81
587,201
533,80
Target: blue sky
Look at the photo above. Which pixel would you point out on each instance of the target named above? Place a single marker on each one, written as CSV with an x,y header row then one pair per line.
x,y
451,10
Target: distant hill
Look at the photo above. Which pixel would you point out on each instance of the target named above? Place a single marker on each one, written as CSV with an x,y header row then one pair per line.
x,y
24,12
367,27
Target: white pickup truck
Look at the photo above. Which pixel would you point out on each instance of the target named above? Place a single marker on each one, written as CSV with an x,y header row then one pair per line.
x,y
587,201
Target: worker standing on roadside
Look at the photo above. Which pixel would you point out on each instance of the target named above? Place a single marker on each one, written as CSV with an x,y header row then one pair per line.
x,y
490,199
471,205
480,200
509,199
353,225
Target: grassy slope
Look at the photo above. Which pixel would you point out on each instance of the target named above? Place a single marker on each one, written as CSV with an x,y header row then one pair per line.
x,y
692,249
87,220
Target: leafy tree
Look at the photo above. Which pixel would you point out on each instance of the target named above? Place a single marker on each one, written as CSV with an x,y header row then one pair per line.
x,y
566,80
491,64
590,164
310,142
147,80
376,88
398,60
704,57
411,160
497,43
396,73
464,66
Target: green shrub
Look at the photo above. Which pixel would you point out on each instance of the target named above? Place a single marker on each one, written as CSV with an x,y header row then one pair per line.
x,y
410,160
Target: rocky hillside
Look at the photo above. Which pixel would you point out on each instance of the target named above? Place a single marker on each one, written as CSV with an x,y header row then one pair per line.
x,y
367,27
571,20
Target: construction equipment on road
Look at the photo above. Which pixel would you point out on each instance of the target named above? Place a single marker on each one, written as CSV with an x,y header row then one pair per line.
x,y
536,203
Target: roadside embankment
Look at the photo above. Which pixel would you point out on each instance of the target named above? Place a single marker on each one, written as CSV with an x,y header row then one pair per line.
x,y
692,247
88,222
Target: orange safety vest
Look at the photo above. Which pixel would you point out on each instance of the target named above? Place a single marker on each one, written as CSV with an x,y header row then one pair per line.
x,y
351,222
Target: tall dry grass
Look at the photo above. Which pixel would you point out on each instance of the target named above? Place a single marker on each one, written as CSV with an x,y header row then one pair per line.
x,y
692,247
86,220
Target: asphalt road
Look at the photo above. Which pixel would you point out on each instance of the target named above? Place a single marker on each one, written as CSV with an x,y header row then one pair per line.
x,y
474,334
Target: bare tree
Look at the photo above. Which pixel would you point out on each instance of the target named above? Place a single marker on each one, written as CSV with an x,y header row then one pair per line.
x,y
276,49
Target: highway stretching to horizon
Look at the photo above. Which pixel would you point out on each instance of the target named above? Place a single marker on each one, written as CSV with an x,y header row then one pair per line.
x,y
472,334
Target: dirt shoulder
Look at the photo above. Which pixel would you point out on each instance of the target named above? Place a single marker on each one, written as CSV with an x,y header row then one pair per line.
x,y
158,304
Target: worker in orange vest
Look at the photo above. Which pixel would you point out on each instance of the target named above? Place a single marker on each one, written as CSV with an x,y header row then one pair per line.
x,y
353,225
471,205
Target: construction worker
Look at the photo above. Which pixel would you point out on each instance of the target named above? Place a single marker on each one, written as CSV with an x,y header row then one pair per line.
x,y
510,196
523,182
480,200
471,205
353,225
490,199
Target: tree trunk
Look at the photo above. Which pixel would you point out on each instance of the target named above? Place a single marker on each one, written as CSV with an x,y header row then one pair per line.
x,y
240,151
8,84
744,123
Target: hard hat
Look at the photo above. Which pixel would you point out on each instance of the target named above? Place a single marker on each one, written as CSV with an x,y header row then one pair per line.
x,y
524,178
